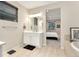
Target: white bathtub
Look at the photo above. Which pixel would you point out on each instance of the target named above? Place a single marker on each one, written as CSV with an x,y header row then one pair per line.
x,y
75,46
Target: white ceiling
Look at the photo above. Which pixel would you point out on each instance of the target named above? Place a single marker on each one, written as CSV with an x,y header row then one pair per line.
x,y
34,4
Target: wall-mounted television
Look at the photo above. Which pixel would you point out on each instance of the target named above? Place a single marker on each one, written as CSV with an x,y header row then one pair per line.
x,y
8,12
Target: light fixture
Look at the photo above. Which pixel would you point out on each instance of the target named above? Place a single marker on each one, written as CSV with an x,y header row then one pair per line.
x,y
36,15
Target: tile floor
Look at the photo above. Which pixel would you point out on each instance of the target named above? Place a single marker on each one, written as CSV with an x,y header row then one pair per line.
x,y
51,50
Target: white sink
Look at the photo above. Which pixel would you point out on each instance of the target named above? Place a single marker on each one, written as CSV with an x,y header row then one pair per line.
x,y
2,43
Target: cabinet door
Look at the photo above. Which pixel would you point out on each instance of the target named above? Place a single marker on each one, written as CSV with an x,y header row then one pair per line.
x,y
31,39
35,40
26,39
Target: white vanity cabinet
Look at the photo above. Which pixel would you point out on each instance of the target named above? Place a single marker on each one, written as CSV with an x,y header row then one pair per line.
x,y
1,44
33,38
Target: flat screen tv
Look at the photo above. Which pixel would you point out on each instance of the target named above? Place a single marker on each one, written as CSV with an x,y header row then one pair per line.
x,y
8,12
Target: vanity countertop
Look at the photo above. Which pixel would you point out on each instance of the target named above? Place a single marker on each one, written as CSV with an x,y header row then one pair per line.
x,y
1,43
32,32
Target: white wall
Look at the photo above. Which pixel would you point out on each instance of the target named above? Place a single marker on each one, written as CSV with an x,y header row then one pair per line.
x,y
69,16
12,34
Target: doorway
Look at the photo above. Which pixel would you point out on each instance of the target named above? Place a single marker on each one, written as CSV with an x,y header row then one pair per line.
x,y
53,27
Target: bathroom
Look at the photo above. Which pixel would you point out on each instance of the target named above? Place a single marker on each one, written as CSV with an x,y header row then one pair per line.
x,y
31,28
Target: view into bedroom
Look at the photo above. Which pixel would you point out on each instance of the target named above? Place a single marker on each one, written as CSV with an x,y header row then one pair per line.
x,y
53,27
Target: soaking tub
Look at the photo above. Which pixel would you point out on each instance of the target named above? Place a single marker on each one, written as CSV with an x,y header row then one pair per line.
x,y
75,45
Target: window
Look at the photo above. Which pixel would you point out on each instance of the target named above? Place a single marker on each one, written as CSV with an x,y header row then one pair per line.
x,y
8,12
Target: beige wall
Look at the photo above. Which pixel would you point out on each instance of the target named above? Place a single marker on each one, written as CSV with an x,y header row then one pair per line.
x,y
69,16
12,34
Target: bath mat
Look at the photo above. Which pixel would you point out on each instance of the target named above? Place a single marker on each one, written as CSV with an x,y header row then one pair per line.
x,y
11,52
29,47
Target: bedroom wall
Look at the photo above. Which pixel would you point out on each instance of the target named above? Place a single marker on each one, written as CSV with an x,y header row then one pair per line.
x,y
69,17
12,35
